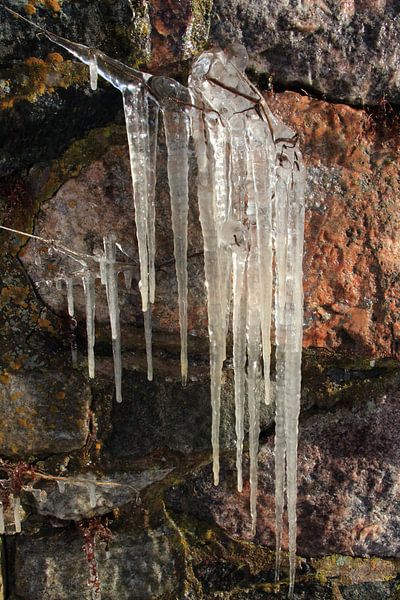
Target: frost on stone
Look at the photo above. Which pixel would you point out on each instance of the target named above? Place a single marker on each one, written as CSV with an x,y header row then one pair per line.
x,y
250,182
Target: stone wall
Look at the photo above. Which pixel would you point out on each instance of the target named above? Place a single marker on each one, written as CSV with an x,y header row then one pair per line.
x,y
330,70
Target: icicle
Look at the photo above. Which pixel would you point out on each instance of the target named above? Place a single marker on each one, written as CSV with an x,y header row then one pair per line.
x,y
61,486
2,527
88,286
136,116
16,503
70,296
113,310
239,352
262,167
293,343
216,324
253,354
176,125
92,494
93,72
151,190
147,336
59,285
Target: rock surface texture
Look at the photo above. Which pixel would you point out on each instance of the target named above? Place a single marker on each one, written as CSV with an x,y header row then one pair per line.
x,y
136,477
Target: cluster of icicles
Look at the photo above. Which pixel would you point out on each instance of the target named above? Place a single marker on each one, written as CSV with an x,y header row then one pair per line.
x,y
250,193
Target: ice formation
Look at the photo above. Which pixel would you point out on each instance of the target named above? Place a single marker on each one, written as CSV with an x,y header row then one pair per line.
x,y
250,194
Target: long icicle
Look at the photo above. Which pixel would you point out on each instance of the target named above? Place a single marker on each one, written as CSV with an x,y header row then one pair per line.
x,y
216,326
280,226
88,286
294,312
176,126
253,369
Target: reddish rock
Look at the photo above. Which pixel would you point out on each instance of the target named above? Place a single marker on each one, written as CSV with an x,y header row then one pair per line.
x,y
351,264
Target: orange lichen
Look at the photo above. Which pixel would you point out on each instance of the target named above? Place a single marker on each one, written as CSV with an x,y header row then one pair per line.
x,y
16,396
53,5
55,57
34,61
39,76
30,9
5,378
60,395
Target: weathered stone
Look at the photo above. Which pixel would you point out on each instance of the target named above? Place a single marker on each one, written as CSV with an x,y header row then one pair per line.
x,y
163,414
43,412
139,566
346,50
349,473
69,499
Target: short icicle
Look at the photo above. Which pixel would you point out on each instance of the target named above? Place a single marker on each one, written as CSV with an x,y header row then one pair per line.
x,y
2,526
16,504
93,72
92,494
113,311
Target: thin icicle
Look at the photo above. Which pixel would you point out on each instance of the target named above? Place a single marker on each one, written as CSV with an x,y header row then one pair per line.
x,y
2,526
88,286
61,486
239,352
16,504
113,310
176,126
148,341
